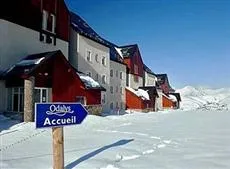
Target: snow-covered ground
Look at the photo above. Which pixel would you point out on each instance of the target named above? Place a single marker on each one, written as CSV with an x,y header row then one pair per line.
x,y
160,140
204,98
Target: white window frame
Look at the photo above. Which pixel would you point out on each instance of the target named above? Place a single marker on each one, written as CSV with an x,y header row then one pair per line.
x,y
19,92
84,99
121,75
45,16
111,106
111,89
103,79
97,77
40,91
103,60
97,57
53,23
86,55
103,98
111,72
116,73
88,73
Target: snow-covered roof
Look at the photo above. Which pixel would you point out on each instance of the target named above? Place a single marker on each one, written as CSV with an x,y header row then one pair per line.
x,y
173,98
30,62
140,93
119,51
88,81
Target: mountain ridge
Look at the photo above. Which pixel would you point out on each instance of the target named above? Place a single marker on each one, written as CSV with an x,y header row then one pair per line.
x,y
204,98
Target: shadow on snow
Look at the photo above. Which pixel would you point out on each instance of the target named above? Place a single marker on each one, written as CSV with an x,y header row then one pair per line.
x,y
92,154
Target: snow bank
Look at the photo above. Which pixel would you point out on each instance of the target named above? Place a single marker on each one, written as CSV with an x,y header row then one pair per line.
x,y
140,93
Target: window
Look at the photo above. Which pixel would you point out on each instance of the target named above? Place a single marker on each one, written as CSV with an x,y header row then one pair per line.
x,y
103,79
81,99
111,89
103,61
96,58
111,73
135,69
15,99
53,18
136,79
48,21
111,105
44,19
88,55
97,77
103,98
121,90
120,75
89,74
117,106
116,89
117,73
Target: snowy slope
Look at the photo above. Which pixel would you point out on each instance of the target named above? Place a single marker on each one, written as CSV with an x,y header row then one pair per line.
x,y
159,140
205,98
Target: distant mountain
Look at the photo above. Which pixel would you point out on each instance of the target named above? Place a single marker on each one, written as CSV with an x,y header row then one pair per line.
x,y
204,98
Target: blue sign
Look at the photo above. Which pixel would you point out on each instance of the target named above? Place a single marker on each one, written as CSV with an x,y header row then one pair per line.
x,y
58,114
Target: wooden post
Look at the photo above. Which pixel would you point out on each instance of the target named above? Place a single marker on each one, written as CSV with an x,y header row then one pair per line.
x,y
58,148
29,99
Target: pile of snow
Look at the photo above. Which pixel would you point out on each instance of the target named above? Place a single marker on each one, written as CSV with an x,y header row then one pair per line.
x,y
204,98
88,81
140,93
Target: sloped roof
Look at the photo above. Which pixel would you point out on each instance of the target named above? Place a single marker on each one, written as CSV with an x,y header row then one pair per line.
x,y
148,70
89,82
161,78
27,65
152,89
177,95
81,26
128,50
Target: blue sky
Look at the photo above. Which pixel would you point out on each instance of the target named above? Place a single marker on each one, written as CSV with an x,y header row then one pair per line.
x,y
187,39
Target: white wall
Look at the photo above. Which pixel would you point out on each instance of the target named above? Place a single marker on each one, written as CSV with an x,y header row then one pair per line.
x,y
150,79
16,42
133,84
77,56
159,100
3,96
116,82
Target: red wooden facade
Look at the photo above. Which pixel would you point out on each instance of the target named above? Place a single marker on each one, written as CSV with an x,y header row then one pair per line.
x,y
28,13
135,102
134,60
57,73
168,103
66,84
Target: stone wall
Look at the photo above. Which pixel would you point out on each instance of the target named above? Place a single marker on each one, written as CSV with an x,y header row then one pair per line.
x,y
94,109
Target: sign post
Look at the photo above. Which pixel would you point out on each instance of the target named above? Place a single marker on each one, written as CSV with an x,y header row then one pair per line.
x,y
57,115
58,148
